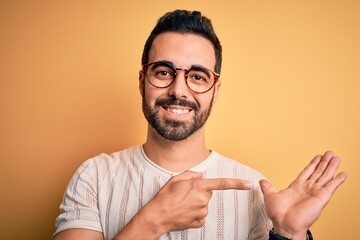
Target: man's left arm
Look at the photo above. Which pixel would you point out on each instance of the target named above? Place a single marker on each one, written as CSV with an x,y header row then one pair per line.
x,y
294,209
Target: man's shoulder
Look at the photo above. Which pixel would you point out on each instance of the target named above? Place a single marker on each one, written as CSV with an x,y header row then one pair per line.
x,y
109,161
104,167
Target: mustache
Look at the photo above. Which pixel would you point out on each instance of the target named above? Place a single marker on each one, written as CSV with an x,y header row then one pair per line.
x,y
177,102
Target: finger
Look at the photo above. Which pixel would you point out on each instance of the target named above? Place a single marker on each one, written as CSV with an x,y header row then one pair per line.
x,y
332,185
225,184
187,175
266,187
310,168
329,172
321,167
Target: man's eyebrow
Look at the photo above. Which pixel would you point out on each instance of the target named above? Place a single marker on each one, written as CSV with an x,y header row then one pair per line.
x,y
163,62
200,68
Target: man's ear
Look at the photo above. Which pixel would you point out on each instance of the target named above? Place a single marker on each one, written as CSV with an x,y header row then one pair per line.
x,y
141,82
216,91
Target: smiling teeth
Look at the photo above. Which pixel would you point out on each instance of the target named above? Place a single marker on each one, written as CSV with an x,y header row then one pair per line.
x,y
178,111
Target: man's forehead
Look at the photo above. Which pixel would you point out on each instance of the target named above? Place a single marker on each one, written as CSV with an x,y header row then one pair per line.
x,y
183,49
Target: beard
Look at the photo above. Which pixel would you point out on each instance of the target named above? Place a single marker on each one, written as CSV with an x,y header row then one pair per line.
x,y
175,130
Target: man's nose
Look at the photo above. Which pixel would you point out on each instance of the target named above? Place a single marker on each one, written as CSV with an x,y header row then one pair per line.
x,y
179,88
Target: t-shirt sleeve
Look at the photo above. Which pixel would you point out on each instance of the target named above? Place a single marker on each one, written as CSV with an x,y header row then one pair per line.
x,y
79,208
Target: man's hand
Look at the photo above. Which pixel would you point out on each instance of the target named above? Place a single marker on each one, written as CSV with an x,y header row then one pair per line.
x,y
180,204
183,201
294,209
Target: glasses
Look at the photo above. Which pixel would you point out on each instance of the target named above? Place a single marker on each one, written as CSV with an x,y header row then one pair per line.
x,y
162,74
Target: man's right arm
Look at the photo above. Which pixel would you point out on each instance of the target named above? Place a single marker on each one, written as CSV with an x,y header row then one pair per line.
x,y
77,233
182,203
144,225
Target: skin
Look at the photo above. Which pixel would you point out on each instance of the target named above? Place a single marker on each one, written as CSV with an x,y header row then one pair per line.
x,y
182,50
292,210
296,208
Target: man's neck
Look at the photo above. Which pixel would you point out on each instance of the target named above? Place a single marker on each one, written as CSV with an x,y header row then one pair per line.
x,y
176,156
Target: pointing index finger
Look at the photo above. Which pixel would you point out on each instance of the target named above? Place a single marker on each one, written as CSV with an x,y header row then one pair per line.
x,y
226,184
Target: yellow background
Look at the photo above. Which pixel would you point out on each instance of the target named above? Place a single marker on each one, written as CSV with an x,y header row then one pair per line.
x,y
68,91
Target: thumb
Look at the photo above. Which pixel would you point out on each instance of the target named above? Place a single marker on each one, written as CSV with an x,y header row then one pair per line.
x,y
266,187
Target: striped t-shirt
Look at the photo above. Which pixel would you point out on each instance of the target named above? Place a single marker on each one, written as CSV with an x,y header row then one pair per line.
x,y
108,190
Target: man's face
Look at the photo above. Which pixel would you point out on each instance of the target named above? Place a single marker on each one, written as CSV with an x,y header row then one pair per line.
x,y
176,112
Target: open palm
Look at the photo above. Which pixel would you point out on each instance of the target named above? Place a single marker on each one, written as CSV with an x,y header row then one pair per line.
x,y
294,209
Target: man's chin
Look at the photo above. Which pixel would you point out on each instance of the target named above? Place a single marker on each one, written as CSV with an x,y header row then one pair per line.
x,y
175,137
176,132
170,124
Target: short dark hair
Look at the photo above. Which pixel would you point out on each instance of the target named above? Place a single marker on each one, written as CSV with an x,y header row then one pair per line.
x,y
183,21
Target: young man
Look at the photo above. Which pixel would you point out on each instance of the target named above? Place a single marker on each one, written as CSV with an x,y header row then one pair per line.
x,y
172,186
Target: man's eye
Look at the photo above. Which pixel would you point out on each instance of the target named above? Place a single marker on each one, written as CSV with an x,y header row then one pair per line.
x,y
198,78
163,73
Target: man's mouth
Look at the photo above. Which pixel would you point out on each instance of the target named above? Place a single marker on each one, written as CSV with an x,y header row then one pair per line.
x,y
177,110
178,107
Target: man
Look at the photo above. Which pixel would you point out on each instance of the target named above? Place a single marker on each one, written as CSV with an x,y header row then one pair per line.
x,y
173,187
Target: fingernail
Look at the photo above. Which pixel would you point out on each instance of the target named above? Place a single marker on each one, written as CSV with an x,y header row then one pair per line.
x,y
248,185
